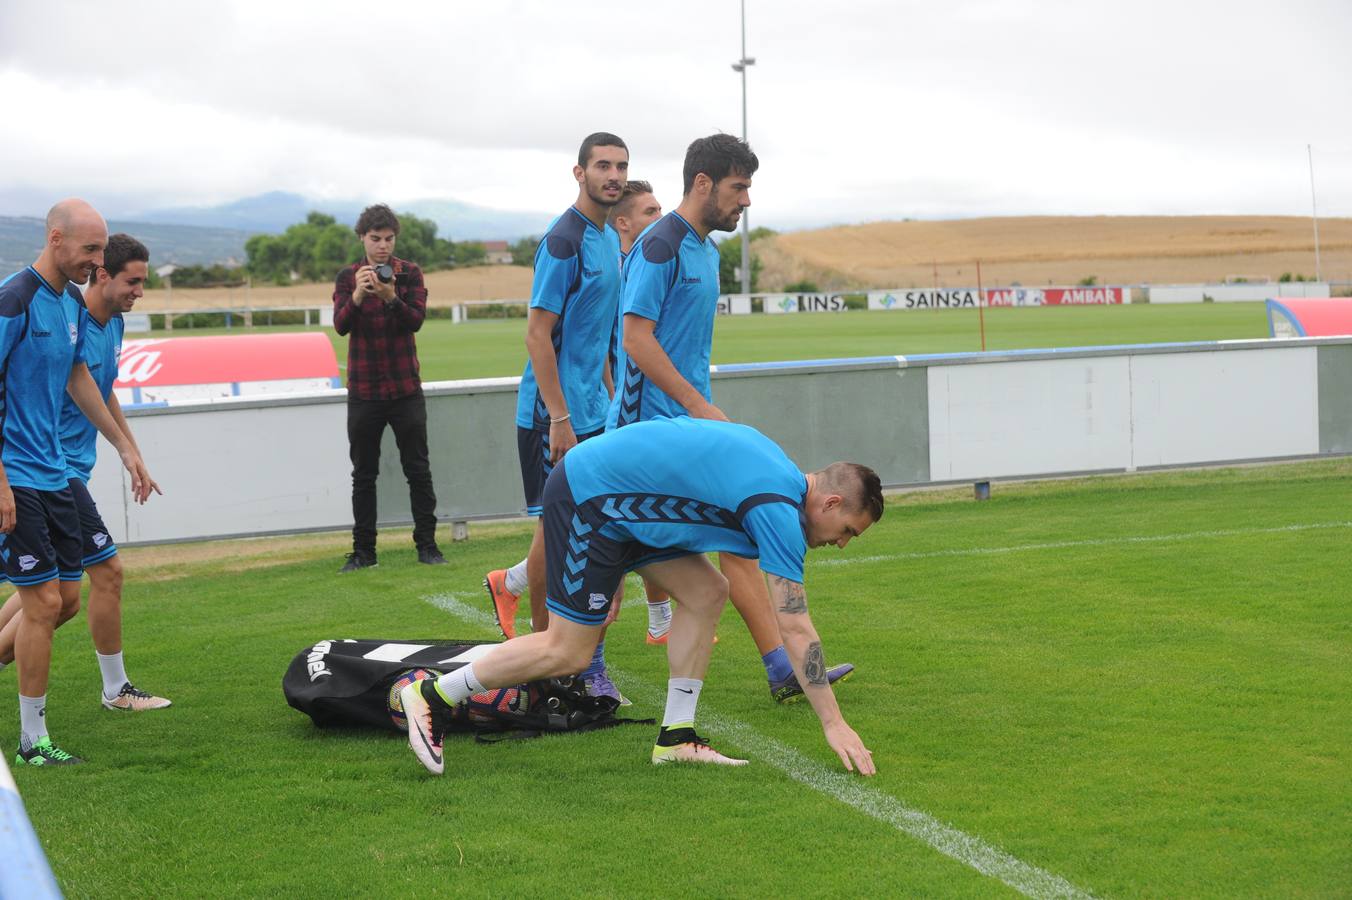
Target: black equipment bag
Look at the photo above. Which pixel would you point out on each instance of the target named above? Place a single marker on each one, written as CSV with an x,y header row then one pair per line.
x,y
357,683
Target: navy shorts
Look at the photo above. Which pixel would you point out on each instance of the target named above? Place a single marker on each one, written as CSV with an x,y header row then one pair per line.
x,y
584,567
532,447
45,542
98,543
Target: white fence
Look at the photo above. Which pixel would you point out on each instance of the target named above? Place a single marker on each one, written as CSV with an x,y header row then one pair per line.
x,y
1236,293
257,466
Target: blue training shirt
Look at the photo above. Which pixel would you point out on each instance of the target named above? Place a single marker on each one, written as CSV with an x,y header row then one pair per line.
x,y
41,338
697,485
79,437
670,277
577,277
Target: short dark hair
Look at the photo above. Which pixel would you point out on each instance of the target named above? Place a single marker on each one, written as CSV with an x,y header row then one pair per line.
x,y
718,156
860,486
599,139
122,249
633,188
376,218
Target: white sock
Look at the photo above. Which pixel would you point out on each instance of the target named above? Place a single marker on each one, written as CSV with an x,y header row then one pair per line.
x,y
516,579
659,618
682,697
458,686
32,720
114,674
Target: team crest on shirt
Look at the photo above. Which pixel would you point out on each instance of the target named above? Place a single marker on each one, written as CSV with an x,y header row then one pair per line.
x,y
74,333
596,601
27,562
100,539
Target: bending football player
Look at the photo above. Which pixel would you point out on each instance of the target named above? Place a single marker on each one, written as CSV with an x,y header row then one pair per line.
x,y
654,497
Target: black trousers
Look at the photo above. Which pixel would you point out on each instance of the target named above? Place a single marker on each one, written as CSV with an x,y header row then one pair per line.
x,y
366,421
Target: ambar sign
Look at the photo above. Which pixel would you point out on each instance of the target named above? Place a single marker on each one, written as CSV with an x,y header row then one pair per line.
x,y
1076,296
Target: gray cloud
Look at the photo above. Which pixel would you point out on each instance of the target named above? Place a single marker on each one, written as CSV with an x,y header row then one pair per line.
x,y
859,109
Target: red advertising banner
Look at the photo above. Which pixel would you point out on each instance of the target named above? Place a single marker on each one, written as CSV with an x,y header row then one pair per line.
x,y
226,359
1071,296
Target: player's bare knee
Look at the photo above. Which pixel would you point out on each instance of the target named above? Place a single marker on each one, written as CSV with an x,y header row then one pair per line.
x,y
568,657
43,609
106,577
713,591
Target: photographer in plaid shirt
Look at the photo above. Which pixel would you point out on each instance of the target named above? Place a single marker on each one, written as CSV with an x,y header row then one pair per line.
x,y
380,302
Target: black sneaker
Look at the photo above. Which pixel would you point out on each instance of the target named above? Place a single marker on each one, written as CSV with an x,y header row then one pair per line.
x,y
357,561
431,556
44,753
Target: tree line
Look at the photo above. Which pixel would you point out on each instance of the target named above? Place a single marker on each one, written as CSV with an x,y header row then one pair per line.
x,y
316,249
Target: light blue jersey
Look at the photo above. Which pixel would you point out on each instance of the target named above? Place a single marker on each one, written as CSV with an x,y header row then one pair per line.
x,y
670,277
41,337
577,277
79,437
697,485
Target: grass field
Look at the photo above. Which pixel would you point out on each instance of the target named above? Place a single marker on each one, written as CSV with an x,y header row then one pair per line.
x,y
494,347
1130,686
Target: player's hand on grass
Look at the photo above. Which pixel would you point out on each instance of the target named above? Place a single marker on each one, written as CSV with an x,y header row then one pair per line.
x,y
706,410
850,749
561,440
7,512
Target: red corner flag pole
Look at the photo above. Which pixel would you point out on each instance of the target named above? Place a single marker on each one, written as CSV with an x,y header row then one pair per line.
x,y
981,305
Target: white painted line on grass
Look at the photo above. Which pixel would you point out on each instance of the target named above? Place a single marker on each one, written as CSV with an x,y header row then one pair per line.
x,y
455,605
851,790
1088,542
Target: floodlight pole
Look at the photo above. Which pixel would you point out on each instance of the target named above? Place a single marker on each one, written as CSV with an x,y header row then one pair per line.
x,y
740,67
1314,214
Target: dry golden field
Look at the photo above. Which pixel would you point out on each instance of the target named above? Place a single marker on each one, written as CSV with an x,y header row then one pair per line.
x,y
1037,250
443,289
1029,250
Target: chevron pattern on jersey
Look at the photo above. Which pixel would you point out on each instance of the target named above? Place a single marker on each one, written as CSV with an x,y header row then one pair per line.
x,y
662,508
631,394
544,451
576,558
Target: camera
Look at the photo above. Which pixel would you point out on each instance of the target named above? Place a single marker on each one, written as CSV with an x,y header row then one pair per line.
x,y
384,272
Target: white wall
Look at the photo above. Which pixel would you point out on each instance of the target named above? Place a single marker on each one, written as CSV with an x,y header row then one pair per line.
x,y
1204,407
1233,293
1014,418
228,470
256,466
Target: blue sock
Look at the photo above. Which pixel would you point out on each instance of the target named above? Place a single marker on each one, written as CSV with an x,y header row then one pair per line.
x,y
777,665
598,663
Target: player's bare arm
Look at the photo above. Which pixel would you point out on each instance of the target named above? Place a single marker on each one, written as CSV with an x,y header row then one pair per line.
x,y
640,343
82,389
7,510
540,345
804,647
115,407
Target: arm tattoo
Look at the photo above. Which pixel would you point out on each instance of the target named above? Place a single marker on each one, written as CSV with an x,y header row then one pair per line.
x,y
814,665
794,599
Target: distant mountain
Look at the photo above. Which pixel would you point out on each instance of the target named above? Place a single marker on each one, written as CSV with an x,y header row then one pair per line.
x,y
274,211
22,237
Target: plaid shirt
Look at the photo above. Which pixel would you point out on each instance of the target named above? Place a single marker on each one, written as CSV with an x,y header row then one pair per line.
x,y
382,359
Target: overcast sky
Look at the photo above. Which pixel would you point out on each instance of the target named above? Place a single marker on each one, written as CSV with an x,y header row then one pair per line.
x,y
859,110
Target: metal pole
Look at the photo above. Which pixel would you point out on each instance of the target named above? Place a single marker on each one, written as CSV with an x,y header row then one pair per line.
x,y
740,67
1314,215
